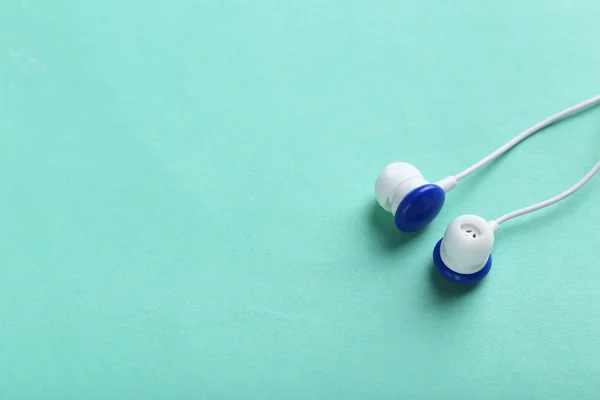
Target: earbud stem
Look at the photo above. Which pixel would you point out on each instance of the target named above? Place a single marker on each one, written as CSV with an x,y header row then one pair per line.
x,y
494,225
448,183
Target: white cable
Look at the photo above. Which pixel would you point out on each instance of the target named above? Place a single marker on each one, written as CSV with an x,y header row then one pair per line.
x,y
525,134
551,201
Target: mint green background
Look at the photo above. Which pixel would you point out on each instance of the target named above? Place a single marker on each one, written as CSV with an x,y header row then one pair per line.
x,y
187,206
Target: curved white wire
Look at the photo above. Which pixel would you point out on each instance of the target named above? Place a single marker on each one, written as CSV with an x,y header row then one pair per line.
x,y
525,134
552,200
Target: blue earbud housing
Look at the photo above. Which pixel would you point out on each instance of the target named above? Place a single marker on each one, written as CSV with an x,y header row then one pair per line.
x,y
419,207
455,276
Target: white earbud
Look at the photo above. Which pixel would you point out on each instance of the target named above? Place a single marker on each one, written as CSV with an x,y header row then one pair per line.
x,y
395,182
401,189
464,253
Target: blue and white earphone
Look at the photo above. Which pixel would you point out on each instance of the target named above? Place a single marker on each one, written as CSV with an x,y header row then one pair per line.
x,y
463,255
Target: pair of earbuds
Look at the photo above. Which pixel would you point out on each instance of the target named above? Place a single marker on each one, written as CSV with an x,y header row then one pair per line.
x,y
463,255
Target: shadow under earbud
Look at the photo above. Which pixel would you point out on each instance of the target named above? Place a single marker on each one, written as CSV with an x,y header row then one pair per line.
x,y
389,237
446,290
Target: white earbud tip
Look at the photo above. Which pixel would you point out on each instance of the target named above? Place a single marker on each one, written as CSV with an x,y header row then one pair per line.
x,y
455,276
392,176
465,250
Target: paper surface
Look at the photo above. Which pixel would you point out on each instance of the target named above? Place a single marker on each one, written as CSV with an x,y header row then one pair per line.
x,y
187,206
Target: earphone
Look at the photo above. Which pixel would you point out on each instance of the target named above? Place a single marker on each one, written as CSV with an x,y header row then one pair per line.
x,y
463,255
